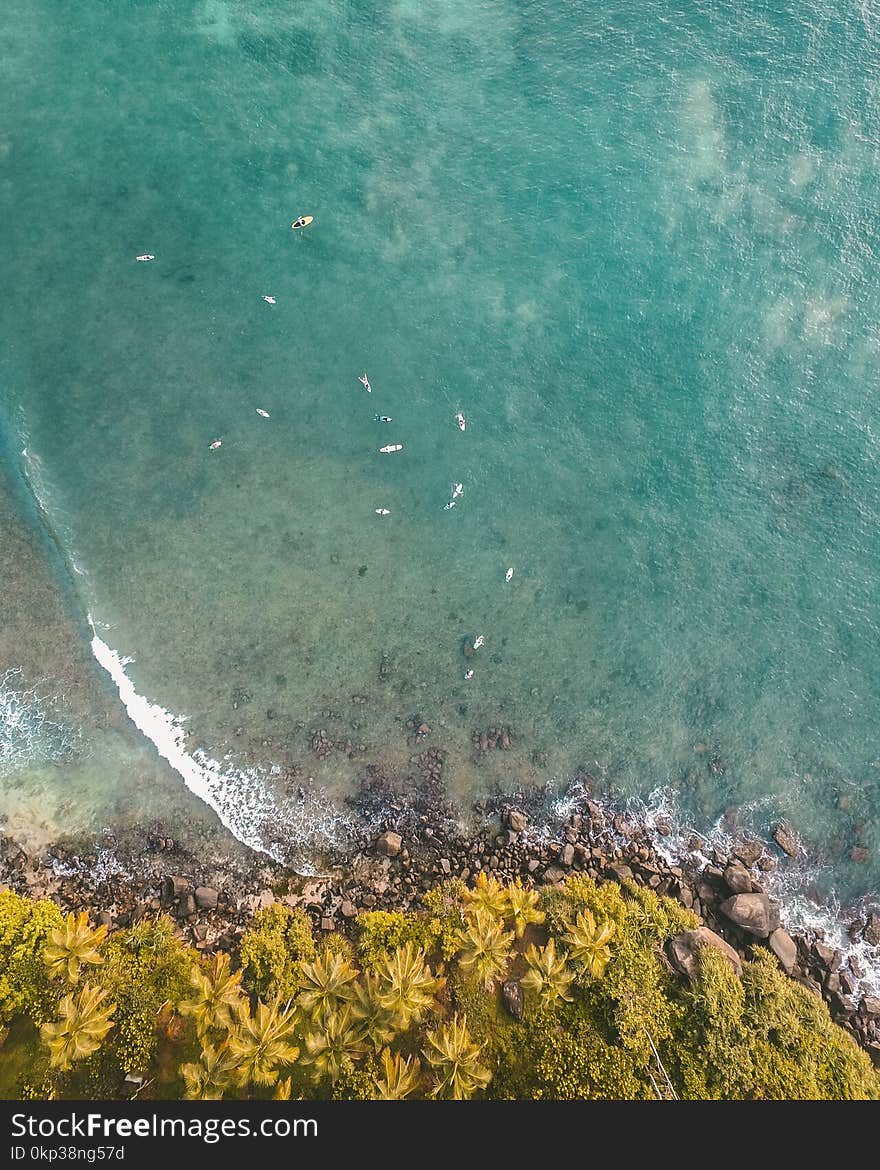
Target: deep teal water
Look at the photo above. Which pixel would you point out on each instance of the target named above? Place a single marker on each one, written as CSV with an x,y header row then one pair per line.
x,y
633,243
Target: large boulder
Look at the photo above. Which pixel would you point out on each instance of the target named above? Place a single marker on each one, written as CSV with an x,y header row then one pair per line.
x,y
786,840
516,820
175,886
206,897
784,948
737,879
390,843
684,951
754,913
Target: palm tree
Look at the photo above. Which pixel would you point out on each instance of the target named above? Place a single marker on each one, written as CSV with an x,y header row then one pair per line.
x,y
73,945
407,985
336,1036
217,996
455,1057
547,973
400,1076
488,894
209,1078
485,947
375,1020
260,1043
85,1021
522,908
589,943
327,983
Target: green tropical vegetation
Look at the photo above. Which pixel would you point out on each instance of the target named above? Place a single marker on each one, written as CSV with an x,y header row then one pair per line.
x,y
413,1005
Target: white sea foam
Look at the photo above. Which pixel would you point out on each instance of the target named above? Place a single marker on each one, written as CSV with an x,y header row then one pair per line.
x,y
29,731
242,798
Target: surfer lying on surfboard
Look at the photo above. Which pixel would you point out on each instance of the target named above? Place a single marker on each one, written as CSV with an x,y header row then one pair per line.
x,y
302,221
366,382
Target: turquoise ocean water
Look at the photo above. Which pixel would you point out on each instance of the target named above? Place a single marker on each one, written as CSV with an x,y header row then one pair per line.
x,y
635,244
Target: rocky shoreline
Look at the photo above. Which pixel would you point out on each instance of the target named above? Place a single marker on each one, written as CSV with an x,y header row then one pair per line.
x,y
409,845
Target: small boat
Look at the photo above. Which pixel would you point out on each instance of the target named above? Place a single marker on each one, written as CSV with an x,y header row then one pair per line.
x,y
459,418
382,418
457,490
262,413
366,382
382,511
391,447
478,642
508,576
451,504
302,221
213,446
269,300
146,256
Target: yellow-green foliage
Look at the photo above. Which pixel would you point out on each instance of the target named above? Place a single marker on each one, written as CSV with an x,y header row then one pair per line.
x,y
261,1043
444,905
548,974
588,943
399,1076
145,967
354,1083
72,946
634,997
487,893
326,983
454,1057
521,908
380,932
573,1061
766,1038
25,984
407,986
208,1078
214,997
375,1020
85,1018
272,949
485,947
335,1036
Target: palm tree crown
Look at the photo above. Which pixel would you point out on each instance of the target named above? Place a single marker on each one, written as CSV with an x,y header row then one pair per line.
x,y
261,1042
485,947
217,994
407,985
455,1057
73,945
85,1021
548,974
589,942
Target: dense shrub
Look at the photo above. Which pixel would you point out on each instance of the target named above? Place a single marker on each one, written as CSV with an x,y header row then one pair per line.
x,y
145,968
26,987
271,950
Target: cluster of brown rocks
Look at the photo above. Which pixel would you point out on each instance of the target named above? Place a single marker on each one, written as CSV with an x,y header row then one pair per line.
x,y
395,862
494,737
323,745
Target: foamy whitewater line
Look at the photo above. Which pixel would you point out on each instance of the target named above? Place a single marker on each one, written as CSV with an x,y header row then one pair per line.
x,y
240,797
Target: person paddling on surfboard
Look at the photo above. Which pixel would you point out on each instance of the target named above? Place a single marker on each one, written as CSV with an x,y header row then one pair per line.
x,y
302,221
